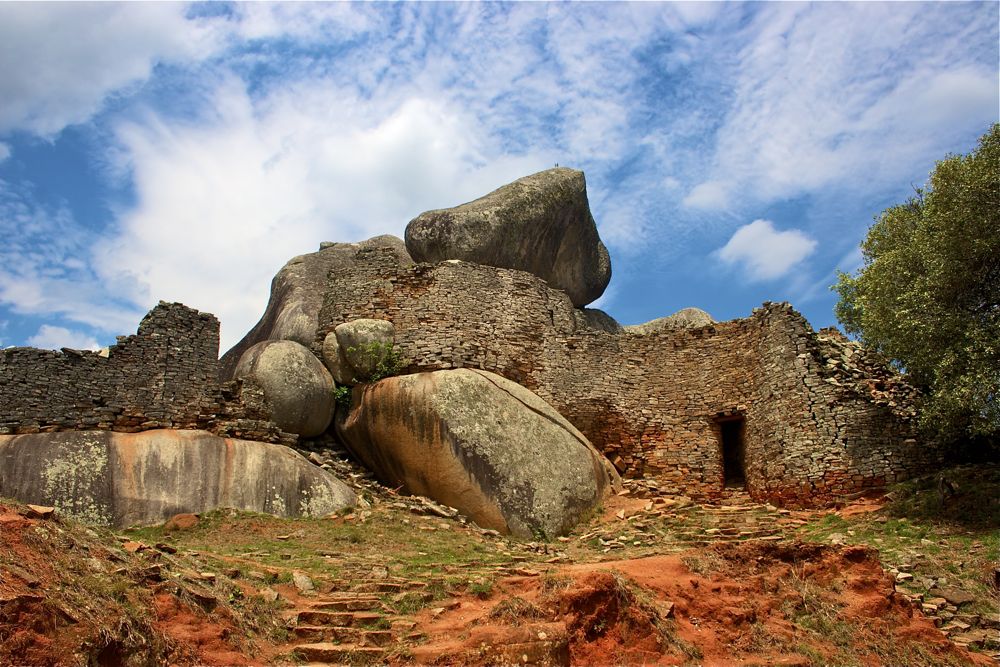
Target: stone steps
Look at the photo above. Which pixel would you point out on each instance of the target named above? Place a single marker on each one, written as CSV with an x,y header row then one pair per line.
x,y
344,635
349,603
338,654
344,619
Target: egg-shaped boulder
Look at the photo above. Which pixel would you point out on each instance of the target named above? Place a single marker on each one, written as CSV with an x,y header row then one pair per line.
x,y
298,389
479,443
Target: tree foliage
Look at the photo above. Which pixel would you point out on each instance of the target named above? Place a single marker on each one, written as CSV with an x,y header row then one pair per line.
x,y
928,293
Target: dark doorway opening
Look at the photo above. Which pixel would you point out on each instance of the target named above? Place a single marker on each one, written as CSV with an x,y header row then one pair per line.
x,y
733,452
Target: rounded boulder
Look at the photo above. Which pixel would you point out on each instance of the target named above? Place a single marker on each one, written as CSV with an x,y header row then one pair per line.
x,y
298,389
366,345
479,443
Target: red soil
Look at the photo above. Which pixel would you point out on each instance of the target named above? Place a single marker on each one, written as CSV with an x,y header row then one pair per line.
x,y
740,614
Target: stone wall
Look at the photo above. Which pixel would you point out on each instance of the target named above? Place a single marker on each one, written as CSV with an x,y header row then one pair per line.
x,y
652,402
165,376
820,417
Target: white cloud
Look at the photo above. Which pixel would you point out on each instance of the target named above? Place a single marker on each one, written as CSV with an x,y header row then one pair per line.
x,y
4,151
304,21
222,206
59,61
43,267
830,95
708,196
52,338
765,253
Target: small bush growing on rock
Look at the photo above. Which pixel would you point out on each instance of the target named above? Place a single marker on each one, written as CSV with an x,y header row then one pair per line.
x,y
384,358
342,394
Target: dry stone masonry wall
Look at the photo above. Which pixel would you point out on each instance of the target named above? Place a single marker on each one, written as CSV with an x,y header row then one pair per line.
x,y
165,376
814,425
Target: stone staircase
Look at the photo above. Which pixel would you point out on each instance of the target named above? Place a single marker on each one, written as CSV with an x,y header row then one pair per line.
x,y
731,522
735,517
353,622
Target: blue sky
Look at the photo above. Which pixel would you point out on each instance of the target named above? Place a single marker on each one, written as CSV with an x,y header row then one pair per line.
x,y
735,153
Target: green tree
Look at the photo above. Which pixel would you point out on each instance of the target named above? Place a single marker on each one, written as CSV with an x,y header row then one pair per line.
x,y
928,293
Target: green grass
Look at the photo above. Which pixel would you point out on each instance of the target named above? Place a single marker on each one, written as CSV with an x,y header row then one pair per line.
x,y
955,538
388,538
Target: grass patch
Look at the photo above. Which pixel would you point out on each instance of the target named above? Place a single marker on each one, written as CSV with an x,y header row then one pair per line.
x,y
951,541
514,609
482,588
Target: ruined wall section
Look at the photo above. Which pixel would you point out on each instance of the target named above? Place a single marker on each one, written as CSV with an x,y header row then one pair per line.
x,y
651,402
164,376
860,431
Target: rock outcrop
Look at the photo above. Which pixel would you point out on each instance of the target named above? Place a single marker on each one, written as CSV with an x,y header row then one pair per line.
x,y
540,224
297,294
685,318
354,351
123,479
480,443
298,389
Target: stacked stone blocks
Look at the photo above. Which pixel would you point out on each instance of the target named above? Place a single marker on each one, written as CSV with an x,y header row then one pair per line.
x,y
164,376
653,402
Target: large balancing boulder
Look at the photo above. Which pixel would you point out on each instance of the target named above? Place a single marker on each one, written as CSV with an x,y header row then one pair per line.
x,y
298,289
540,224
124,479
480,443
298,389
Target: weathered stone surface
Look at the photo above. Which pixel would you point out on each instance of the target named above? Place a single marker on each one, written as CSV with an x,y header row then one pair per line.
x,y
685,318
540,223
298,389
363,344
164,376
297,294
822,417
123,479
598,320
479,443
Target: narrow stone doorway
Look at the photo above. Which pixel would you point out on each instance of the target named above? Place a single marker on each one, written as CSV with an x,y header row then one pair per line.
x,y
733,451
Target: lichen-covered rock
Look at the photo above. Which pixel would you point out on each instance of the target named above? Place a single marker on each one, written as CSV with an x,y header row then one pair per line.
x,y
297,293
123,479
298,389
685,318
335,362
364,345
540,224
480,443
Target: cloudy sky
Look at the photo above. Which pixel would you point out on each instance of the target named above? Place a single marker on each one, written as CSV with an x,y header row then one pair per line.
x,y
734,153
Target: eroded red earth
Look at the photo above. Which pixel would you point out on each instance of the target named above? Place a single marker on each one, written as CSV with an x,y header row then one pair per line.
x,y
749,610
